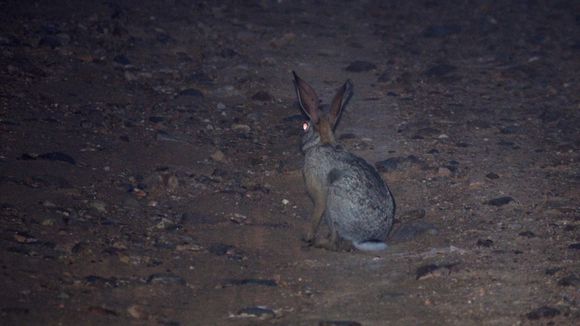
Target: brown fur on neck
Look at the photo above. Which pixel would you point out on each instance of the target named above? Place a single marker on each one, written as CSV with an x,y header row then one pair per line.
x,y
325,130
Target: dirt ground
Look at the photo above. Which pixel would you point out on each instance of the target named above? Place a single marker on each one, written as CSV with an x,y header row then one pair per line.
x,y
150,162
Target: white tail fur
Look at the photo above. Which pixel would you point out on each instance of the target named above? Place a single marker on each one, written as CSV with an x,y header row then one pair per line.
x,y
370,245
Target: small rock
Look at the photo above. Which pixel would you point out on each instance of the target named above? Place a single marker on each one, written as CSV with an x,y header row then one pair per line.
x,y
260,312
500,201
121,59
48,203
360,66
385,77
262,96
444,172
57,156
189,218
165,279
440,70
285,202
553,270
98,205
137,312
492,176
441,30
14,311
162,135
543,312
251,281
283,41
192,92
570,280
239,218
51,41
241,127
432,270
509,130
527,234
220,249
102,281
156,119
102,311
218,156
165,224
338,323
22,237
484,243
426,132
413,214
574,246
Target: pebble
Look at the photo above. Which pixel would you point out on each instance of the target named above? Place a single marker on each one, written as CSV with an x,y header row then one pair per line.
x,y
527,234
251,281
360,66
260,312
283,40
166,279
500,201
484,243
441,30
221,249
492,176
574,246
570,280
191,92
338,323
51,156
102,311
444,172
48,203
241,127
432,270
262,96
189,218
440,70
121,59
427,132
543,312
285,202
218,156
137,312
98,205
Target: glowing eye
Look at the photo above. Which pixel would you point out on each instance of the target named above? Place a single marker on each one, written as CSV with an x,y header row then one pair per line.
x,y
305,126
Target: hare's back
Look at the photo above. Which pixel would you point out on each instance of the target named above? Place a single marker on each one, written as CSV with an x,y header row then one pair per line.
x,y
359,203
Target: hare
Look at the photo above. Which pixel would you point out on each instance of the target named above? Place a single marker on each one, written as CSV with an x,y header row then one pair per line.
x,y
346,190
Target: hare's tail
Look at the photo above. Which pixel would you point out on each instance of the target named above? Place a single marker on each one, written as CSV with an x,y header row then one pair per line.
x,y
370,245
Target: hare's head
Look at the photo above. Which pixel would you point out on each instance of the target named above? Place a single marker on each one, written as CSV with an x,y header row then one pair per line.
x,y
320,128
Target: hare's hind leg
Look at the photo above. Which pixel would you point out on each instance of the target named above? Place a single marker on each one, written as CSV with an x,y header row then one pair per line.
x,y
332,242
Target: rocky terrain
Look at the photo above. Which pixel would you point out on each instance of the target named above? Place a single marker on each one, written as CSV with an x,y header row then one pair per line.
x,y
150,162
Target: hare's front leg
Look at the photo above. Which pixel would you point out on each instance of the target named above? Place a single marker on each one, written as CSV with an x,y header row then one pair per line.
x,y
315,219
317,193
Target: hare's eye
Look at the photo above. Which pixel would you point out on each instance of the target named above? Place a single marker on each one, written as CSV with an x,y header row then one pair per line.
x,y
305,126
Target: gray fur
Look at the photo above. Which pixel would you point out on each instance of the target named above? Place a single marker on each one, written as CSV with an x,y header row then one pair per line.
x,y
347,191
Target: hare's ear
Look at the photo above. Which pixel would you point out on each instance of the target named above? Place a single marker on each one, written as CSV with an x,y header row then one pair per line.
x,y
339,101
307,98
